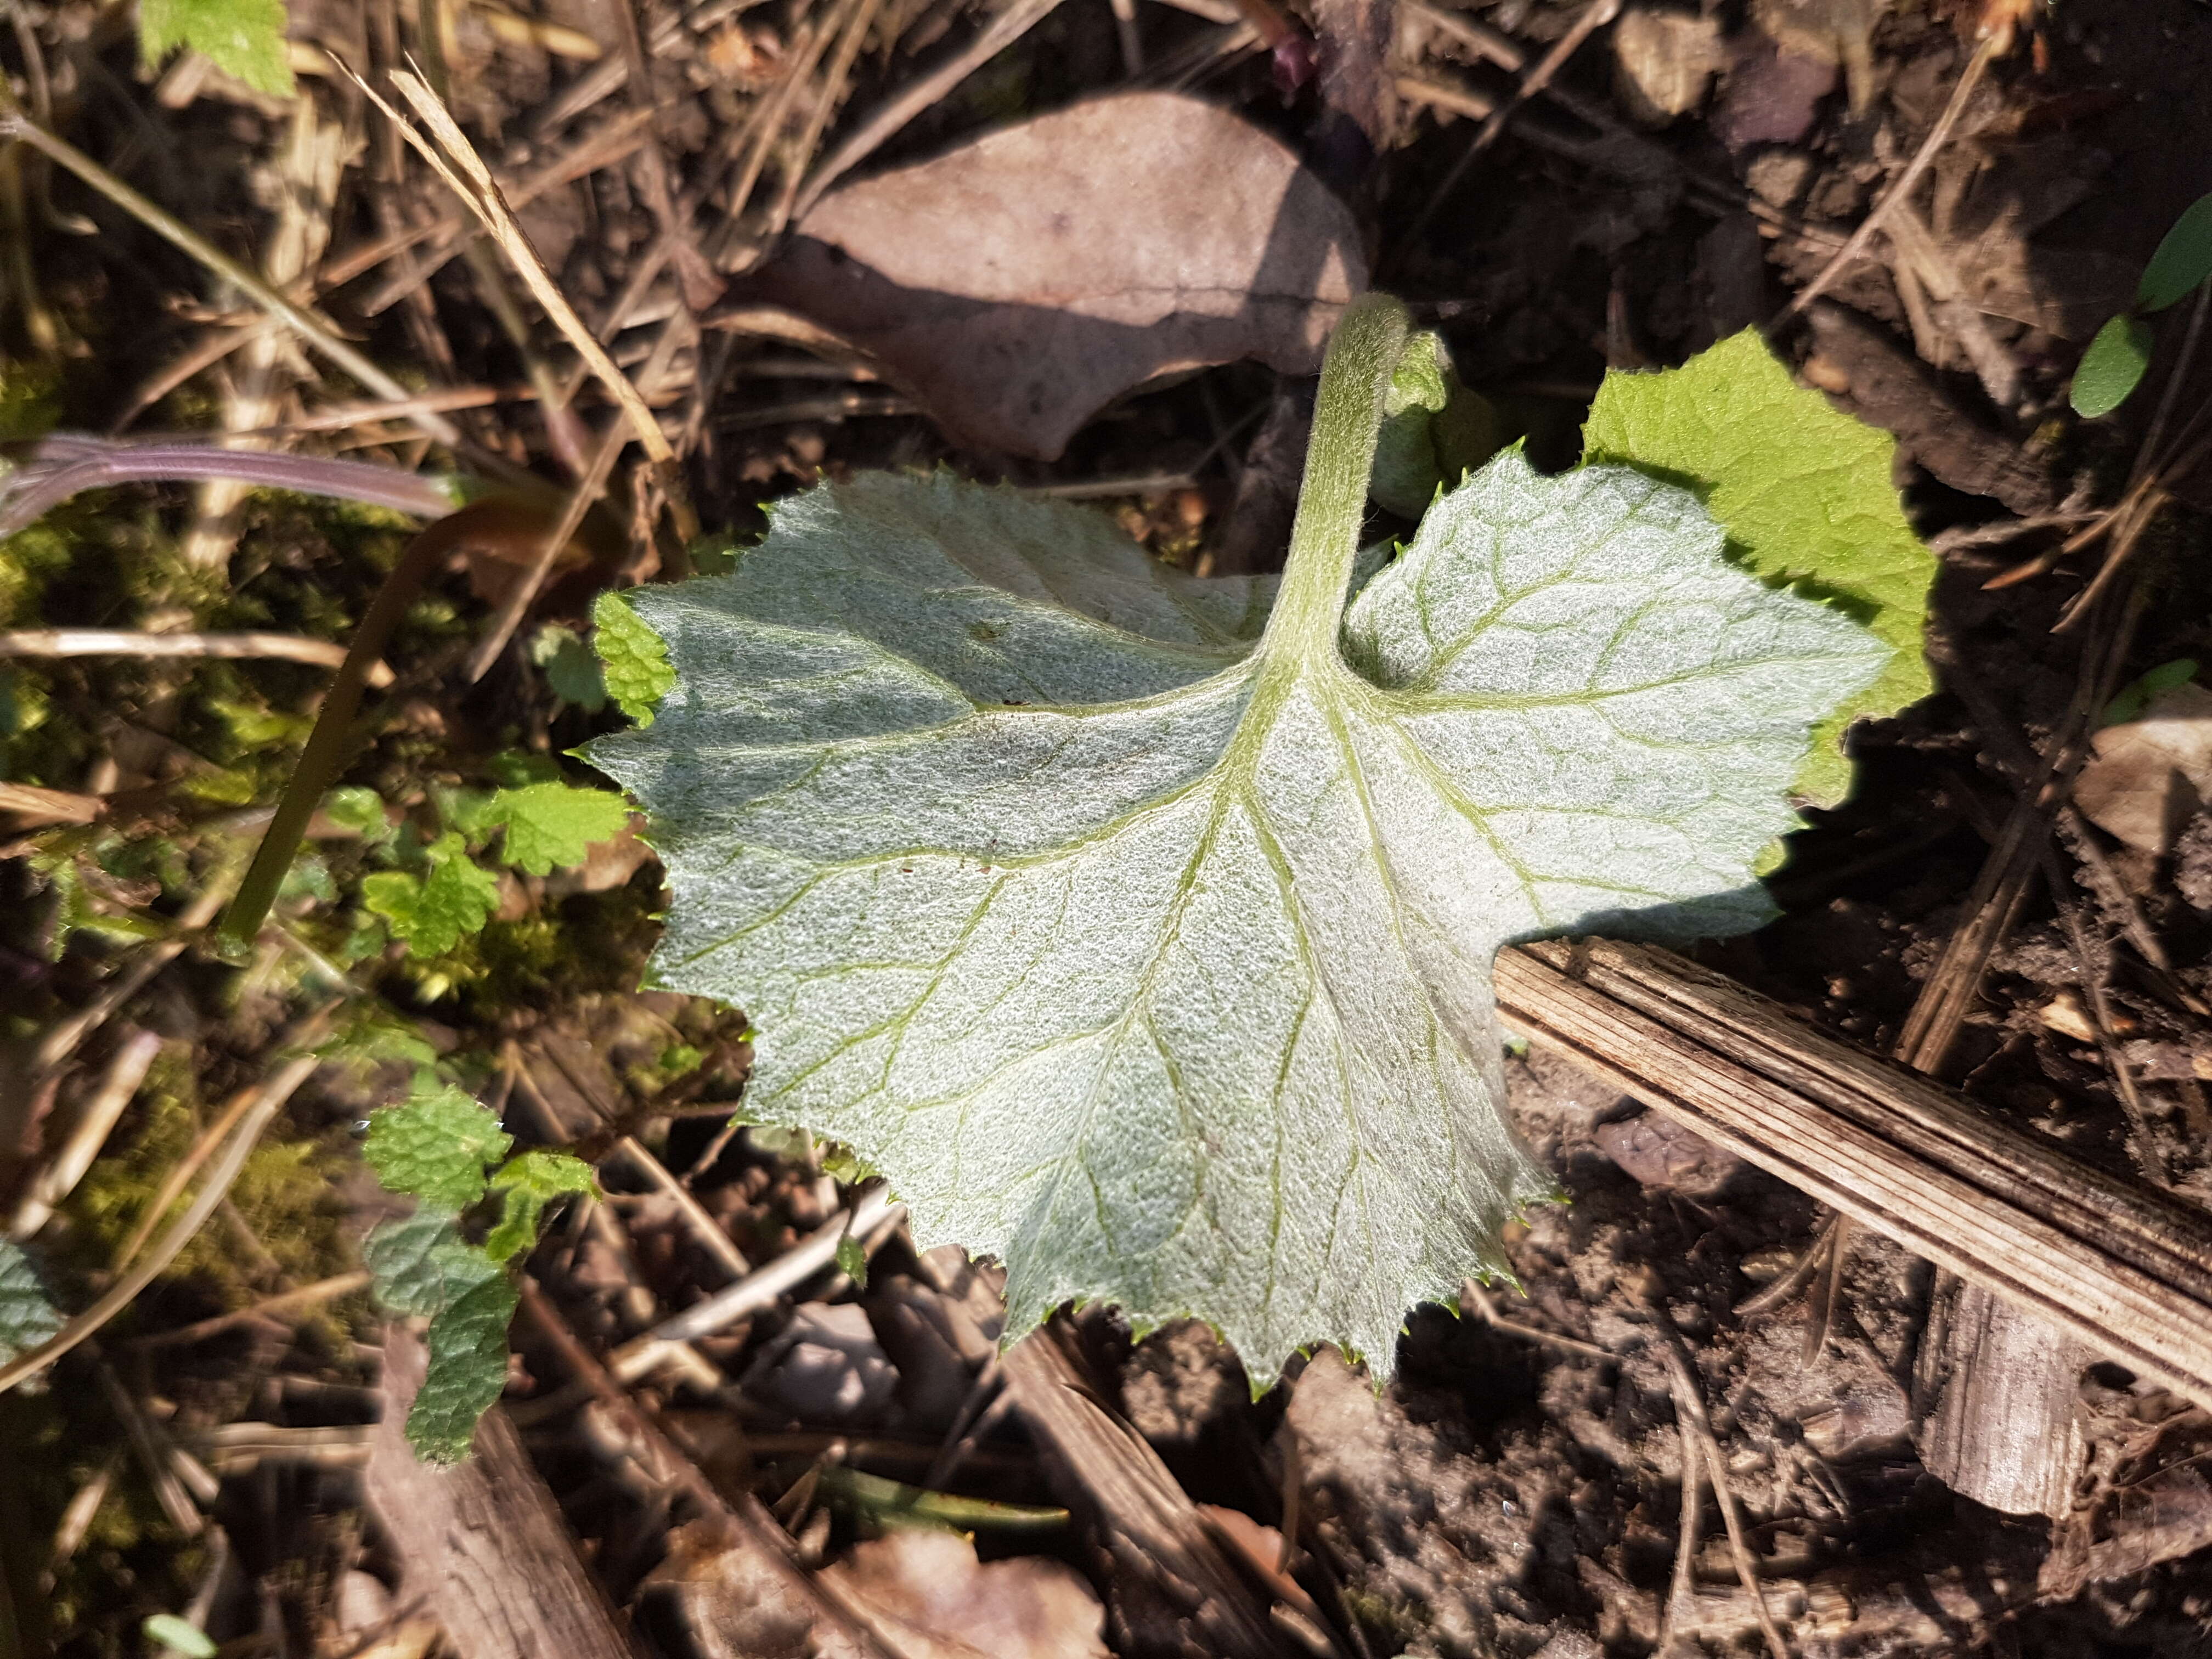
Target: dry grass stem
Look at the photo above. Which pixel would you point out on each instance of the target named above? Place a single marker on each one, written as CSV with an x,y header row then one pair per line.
x,y
1592,17
95,1120
125,642
466,175
884,122
853,32
290,1301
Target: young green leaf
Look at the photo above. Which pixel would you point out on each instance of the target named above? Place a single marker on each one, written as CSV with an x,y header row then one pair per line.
x,y
1434,429
571,670
2112,366
1159,966
361,810
852,1260
423,1267
241,38
436,1146
431,914
178,1636
553,825
1805,495
468,1366
2183,261
632,659
27,1318
419,1261
528,1183
2128,702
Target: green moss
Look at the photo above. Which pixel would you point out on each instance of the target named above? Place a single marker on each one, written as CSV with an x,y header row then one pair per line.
x,y
287,1193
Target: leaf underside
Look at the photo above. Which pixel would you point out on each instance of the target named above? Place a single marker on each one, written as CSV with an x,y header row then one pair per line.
x,y
1807,497
1159,967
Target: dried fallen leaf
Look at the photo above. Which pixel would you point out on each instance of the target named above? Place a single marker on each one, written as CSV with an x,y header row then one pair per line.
x,y
929,1597
1019,284
2149,775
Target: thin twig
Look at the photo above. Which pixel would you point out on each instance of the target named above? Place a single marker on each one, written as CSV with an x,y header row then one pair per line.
x,y
760,1287
1690,1409
1681,1587
1985,53
588,491
262,1110
1472,1295
307,1295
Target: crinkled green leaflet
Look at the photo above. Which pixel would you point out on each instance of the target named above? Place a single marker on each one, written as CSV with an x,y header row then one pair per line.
x,y
1154,959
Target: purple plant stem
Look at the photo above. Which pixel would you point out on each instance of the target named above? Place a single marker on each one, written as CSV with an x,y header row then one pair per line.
x,y
58,465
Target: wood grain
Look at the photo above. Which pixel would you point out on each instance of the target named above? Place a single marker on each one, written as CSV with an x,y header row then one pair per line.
x,y
484,1542
2121,1265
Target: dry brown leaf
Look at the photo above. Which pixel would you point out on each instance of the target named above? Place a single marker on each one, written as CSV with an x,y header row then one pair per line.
x,y
929,1597
2149,775
1019,284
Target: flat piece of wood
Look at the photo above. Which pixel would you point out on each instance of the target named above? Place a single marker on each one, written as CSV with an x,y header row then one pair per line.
x,y
483,1542
1172,1591
2120,1265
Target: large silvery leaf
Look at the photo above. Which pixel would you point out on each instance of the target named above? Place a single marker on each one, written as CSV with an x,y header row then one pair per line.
x,y
1157,963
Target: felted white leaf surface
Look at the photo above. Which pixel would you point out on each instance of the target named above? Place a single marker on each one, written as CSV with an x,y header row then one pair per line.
x,y
1158,965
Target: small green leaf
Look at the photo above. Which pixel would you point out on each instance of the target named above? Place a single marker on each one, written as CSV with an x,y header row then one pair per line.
x,y
529,1183
2128,703
1806,495
570,668
363,812
431,914
241,38
852,1260
28,1317
633,659
467,1371
2183,261
1434,429
553,825
369,1038
421,1262
2112,366
436,1146
177,1636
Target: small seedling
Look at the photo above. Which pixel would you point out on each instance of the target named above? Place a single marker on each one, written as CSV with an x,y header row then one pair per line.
x,y
2113,366
446,1150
